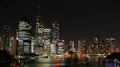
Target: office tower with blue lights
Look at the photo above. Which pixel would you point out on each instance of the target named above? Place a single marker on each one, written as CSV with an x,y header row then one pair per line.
x,y
24,35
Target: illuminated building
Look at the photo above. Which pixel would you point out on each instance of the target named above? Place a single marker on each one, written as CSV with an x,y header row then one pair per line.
x,y
14,42
43,37
60,47
95,45
71,46
55,30
6,37
110,45
79,49
39,32
32,44
53,48
82,46
1,43
24,35
39,35
47,40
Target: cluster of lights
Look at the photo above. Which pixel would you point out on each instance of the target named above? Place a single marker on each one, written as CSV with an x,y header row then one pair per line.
x,y
110,38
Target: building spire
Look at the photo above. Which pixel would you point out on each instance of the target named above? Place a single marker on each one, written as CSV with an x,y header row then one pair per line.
x,y
38,8
39,22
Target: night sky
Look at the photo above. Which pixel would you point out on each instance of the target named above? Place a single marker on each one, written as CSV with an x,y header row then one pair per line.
x,y
78,19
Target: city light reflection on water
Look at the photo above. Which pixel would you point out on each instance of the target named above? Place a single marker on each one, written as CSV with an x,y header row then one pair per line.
x,y
50,64
56,62
110,64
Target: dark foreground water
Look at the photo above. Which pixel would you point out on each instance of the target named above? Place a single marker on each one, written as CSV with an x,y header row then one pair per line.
x,y
61,65
45,62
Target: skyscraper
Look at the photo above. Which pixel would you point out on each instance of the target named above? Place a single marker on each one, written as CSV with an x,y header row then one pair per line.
x,y
39,35
47,40
24,35
55,30
6,37
14,44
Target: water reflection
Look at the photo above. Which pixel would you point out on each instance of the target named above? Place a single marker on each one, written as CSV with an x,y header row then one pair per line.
x,y
57,62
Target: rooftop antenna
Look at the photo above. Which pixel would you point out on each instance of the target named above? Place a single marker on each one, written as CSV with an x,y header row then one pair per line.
x,y
38,8
39,21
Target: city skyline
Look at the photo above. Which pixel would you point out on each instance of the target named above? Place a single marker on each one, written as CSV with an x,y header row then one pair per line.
x,y
78,20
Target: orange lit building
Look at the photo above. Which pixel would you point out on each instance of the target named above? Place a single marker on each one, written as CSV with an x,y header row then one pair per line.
x,y
67,55
13,45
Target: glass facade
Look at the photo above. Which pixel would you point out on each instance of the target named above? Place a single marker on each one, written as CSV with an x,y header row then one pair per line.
x,y
24,36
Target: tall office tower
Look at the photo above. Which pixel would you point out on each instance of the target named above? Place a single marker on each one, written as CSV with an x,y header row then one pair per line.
x,y
80,52
95,45
39,35
55,34
55,30
6,37
61,47
47,40
24,35
109,46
